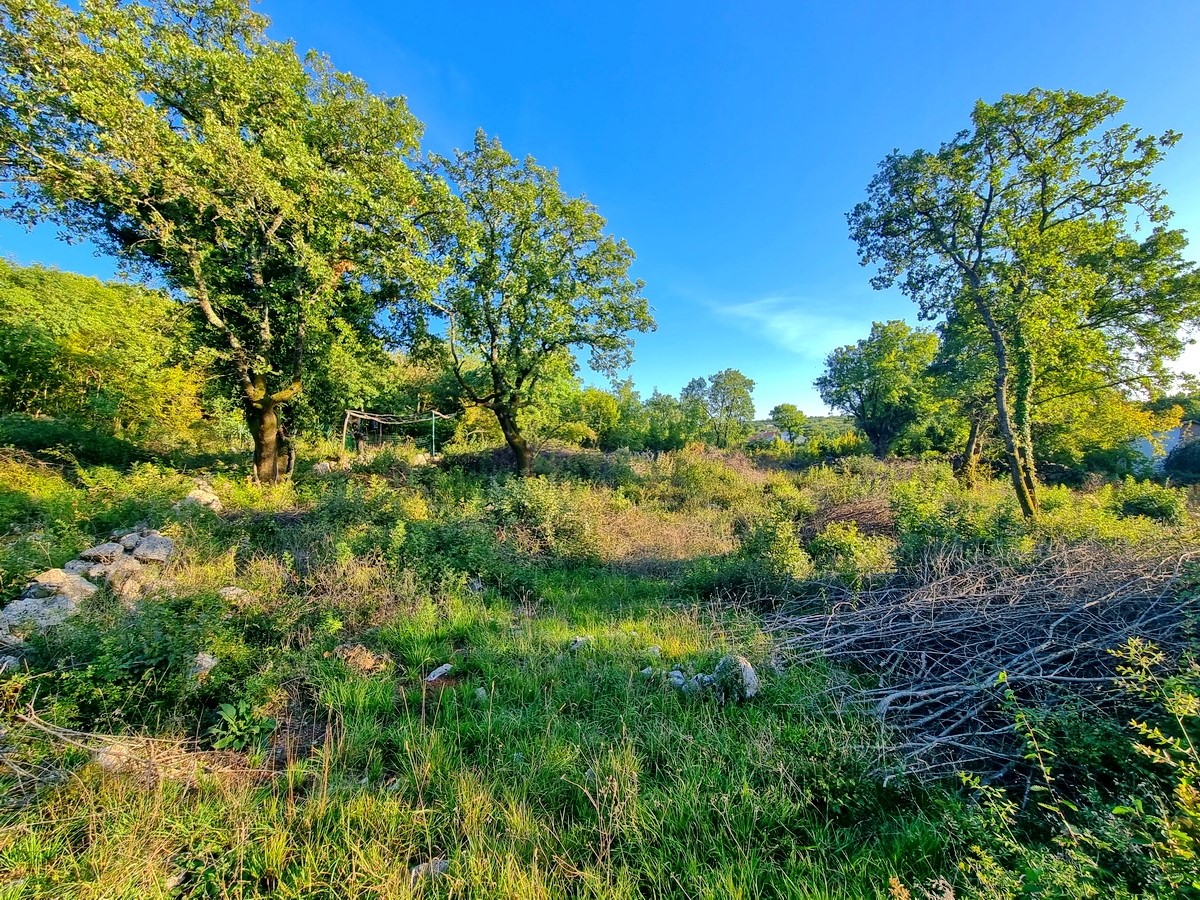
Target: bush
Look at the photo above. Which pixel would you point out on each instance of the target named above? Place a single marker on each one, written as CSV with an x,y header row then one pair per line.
x,y
843,551
1144,498
549,517
59,439
939,516
769,561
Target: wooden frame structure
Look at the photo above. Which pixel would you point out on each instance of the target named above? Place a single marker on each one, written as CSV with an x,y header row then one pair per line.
x,y
382,419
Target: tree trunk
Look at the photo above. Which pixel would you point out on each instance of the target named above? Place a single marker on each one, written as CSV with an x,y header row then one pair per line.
x,y
1025,497
522,455
273,453
968,465
1023,416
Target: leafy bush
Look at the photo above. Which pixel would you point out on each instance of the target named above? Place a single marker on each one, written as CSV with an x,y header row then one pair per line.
x,y
553,516
769,561
939,516
843,551
1145,498
63,439
239,727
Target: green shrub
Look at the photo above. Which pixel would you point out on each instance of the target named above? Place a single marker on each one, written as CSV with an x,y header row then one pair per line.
x,y
843,551
939,516
1154,501
60,439
769,561
554,515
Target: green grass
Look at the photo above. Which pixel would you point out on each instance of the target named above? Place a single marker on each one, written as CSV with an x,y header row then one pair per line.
x,y
534,769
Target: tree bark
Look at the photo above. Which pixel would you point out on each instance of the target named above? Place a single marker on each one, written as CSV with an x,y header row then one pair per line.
x,y
274,456
522,455
1004,420
968,464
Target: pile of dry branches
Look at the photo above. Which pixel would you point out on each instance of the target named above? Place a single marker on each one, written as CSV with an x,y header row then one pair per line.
x,y
873,515
932,654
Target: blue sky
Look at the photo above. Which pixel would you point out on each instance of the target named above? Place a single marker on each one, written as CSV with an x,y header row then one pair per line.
x,y
725,142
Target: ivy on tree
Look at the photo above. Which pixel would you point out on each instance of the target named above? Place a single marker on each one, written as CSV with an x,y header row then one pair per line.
x,y
1024,226
530,276
274,194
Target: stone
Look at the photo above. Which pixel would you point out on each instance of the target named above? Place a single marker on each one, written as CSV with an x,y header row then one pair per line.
x,y
429,870
9,662
201,495
31,614
106,552
440,672
676,678
122,570
481,695
154,547
736,679
322,468
77,567
129,541
202,665
648,671
233,594
58,582
655,651
577,643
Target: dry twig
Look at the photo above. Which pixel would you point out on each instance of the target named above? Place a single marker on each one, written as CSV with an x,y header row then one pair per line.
x,y
933,653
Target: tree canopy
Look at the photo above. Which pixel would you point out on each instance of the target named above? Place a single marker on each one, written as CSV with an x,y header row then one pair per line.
x,y
1024,224
275,194
725,403
882,381
531,276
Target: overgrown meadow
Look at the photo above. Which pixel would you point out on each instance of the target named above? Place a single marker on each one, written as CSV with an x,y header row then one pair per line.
x,y
555,758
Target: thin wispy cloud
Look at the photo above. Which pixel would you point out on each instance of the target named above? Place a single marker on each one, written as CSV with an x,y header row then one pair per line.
x,y
799,325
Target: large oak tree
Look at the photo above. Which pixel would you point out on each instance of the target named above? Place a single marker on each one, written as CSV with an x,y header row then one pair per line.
x,y
1024,226
273,193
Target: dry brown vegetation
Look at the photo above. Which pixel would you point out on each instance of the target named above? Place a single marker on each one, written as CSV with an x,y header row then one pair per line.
x,y
948,661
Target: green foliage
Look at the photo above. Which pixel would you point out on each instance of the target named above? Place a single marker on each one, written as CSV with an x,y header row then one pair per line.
x,y
843,551
529,275
882,381
111,358
723,403
268,189
239,727
939,516
553,515
1172,742
1019,231
1145,498
55,439
789,418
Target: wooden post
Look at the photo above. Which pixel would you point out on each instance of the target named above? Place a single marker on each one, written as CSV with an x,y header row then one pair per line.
x,y
345,423
432,434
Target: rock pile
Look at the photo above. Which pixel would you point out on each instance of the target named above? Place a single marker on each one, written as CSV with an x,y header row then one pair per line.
x,y
733,680
126,564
